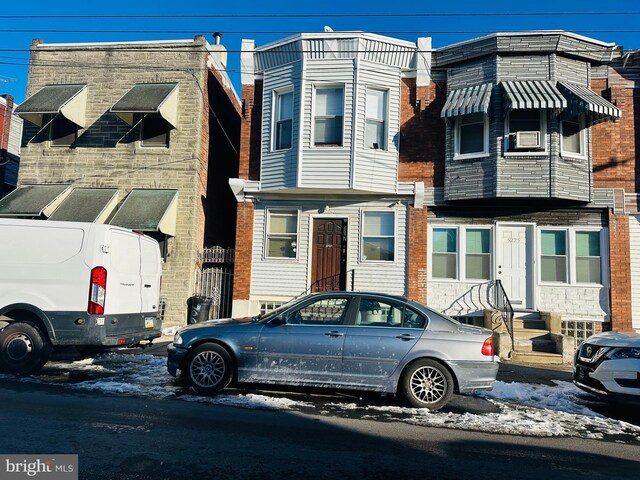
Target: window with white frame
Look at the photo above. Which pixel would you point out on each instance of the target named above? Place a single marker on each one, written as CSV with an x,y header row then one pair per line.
x,y
553,264
328,119
444,256
478,253
525,130
283,119
471,135
588,260
282,234
461,253
378,236
573,136
376,121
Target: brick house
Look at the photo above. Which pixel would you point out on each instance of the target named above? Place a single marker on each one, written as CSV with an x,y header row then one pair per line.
x,y
138,134
371,163
10,139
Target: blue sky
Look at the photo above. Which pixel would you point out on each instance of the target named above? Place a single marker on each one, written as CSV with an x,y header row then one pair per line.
x,y
444,30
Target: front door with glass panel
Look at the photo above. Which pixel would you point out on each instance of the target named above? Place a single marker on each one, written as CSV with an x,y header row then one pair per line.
x,y
514,263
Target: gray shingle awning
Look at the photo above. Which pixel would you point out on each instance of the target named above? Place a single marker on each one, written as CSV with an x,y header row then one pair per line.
x,y
34,201
149,210
584,100
468,100
87,205
533,94
70,101
144,98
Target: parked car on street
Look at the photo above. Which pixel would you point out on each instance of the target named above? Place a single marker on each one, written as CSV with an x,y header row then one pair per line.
x,y
608,365
341,340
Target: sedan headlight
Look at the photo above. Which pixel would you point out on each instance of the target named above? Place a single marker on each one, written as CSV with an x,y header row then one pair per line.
x,y
624,353
177,339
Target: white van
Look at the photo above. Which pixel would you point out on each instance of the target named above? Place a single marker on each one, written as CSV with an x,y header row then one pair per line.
x,y
74,284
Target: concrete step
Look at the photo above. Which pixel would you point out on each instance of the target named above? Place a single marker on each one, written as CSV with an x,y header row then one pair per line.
x,y
530,333
535,345
528,323
526,314
537,358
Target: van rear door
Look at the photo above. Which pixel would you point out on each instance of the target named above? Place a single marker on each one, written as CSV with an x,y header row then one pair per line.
x,y
123,274
150,271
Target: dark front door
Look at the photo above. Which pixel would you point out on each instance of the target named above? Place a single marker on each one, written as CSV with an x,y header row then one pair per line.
x,y
329,262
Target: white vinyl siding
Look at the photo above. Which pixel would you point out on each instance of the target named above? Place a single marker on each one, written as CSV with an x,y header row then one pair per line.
x,y
634,260
293,275
279,168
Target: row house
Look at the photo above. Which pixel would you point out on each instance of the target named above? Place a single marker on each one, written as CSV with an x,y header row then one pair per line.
x,y
142,135
10,141
494,168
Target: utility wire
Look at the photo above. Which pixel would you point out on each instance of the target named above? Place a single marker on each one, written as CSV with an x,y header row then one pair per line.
x,y
286,32
330,15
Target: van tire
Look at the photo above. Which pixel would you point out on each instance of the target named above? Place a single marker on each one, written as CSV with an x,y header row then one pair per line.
x,y
209,368
23,349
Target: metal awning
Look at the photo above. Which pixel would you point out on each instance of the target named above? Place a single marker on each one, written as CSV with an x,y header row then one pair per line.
x,y
145,98
70,101
87,205
467,100
149,210
584,100
34,201
533,94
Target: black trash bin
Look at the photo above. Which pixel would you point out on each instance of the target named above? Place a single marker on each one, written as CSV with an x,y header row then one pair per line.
x,y
198,309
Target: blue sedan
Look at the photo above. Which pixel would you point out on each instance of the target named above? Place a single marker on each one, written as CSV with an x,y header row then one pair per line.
x,y
340,340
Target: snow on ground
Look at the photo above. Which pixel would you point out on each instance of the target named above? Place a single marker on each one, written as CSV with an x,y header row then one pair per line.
x,y
523,409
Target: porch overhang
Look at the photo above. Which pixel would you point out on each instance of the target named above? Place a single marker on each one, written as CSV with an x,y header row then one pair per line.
x,y
87,205
34,201
149,210
583,100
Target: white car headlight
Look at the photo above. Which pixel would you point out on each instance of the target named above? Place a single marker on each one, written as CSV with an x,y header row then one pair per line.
x,y
177,339
624,353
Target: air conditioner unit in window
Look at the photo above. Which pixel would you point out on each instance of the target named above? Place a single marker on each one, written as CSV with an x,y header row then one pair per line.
x,y
527,140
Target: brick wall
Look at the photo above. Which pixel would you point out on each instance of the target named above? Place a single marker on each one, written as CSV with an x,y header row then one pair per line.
x,y
422,133
6,108
108,153
244,246
250,134
417,254
615,158
620,271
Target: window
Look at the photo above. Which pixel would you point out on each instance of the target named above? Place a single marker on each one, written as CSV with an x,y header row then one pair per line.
x,y
329,105
444,262
373,313
62,132
376,122
471,135
554,256
283,120
154,131
573,137
588,265
478,254
282,236
525,120
378,239
327,311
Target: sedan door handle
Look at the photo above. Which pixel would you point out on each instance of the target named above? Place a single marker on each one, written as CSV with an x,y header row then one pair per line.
x,y
334,333
406,336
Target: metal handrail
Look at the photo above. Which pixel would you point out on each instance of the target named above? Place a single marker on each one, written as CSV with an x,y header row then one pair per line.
x,y
504,306
352,276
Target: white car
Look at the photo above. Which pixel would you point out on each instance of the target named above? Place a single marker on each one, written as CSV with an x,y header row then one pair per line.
x,y
608,365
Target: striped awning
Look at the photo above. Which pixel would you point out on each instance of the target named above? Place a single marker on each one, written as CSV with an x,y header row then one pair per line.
x,y
533,94
584,100
467,100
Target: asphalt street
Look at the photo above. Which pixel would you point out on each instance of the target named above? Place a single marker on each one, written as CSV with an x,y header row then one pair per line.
x,y
118,437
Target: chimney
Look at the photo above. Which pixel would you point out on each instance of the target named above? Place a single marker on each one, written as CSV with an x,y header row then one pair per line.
x,y
219,49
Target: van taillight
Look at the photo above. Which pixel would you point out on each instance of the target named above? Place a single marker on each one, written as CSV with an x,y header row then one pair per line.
x,y
487,347
97,291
